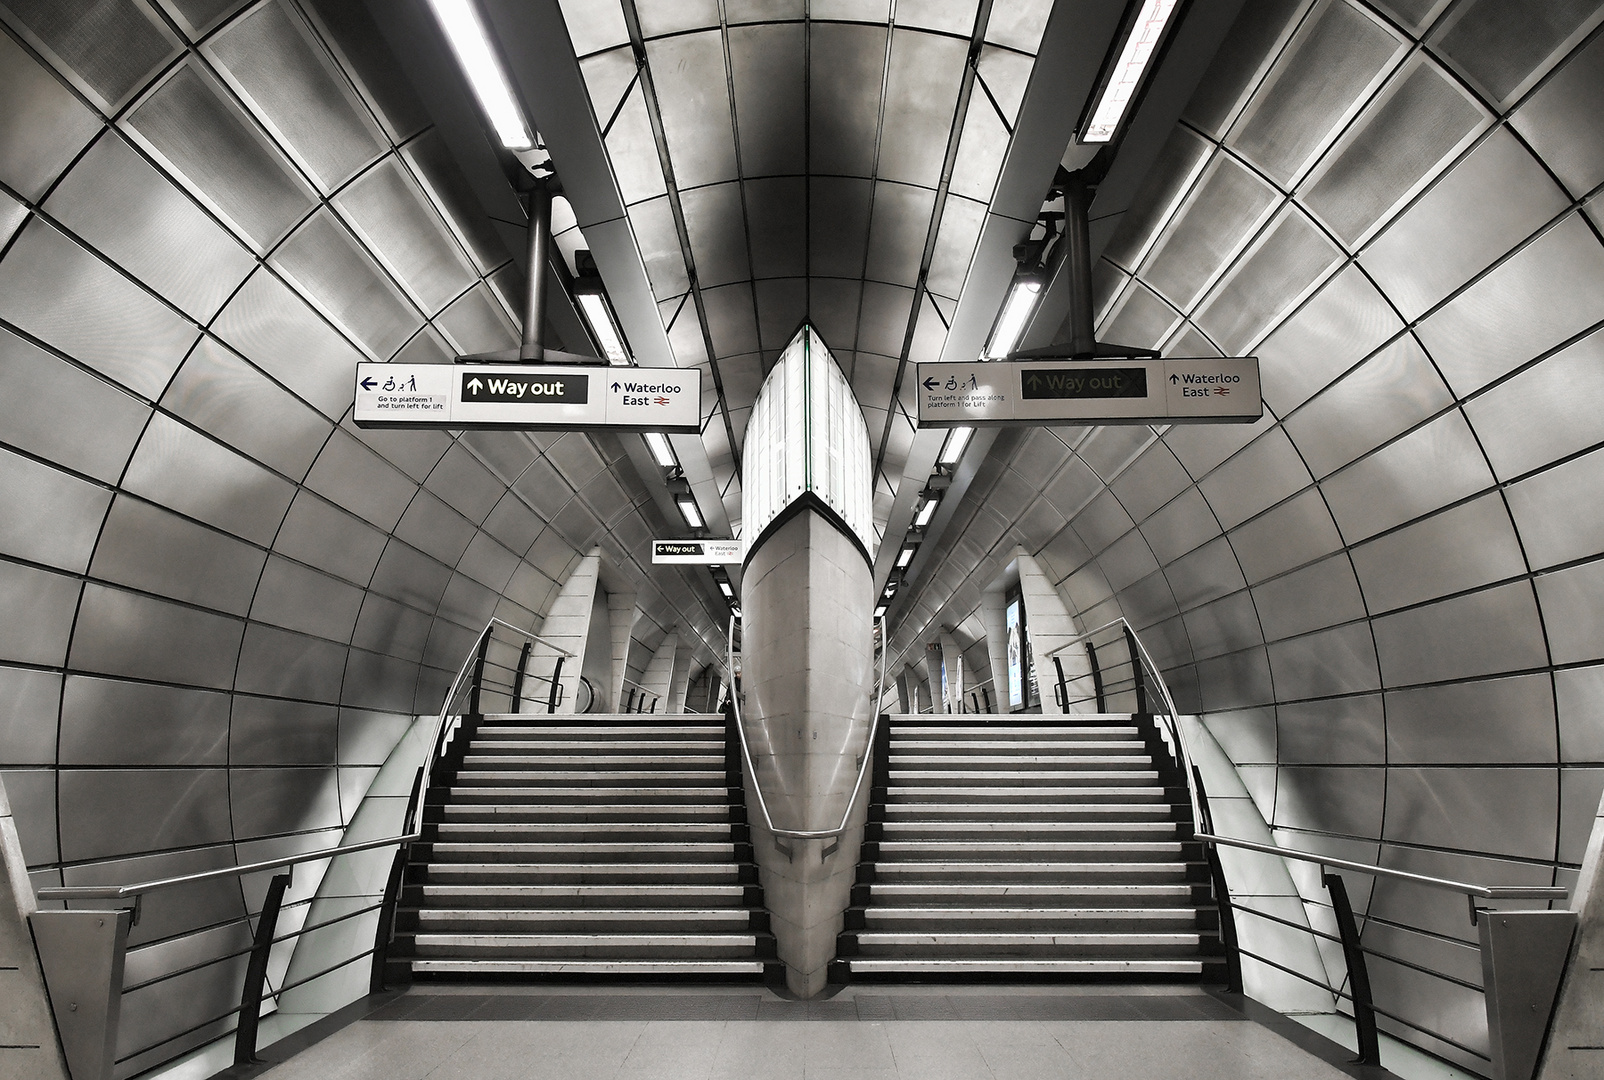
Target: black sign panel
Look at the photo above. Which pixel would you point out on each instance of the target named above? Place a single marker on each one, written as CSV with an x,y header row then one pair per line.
x,y
1082,383
669,547
527,389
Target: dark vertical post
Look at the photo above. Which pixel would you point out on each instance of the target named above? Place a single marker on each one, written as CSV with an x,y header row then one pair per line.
x,y
1136,671
1364,1008
1097,676
533,346
518,677
556,686
1078,261
1222,891
386,931
250,1001
1062,693
478,676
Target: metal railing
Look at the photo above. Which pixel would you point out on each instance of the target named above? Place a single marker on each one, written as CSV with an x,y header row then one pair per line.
x,y
864,762
463,703
1359,994
635,700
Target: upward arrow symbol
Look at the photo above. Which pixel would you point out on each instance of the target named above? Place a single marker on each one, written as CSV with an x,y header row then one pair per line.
x,y
1174,379
475,385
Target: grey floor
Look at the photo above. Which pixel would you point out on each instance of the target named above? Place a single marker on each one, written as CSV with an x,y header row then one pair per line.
x,y
904,1033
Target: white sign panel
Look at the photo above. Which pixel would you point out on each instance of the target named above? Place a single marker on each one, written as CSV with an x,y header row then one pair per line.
x,y
698,552
528,397
1113,391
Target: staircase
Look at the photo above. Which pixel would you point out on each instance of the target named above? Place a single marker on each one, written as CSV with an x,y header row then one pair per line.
x,y
1052,849
586,847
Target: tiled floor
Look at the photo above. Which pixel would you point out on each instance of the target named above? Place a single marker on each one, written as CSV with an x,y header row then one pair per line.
x,y
912,1033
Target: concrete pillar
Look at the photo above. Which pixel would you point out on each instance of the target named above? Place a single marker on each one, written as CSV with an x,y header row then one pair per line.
x,y
807,598
24,1007
994,615
680,681
621,616
952,663
1573,1035
902,692
932,673
567,624
1050,627
660,671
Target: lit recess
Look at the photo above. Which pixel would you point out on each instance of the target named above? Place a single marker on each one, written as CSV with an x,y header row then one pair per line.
x,y
953,448
599,314
905,556
1020,303
1126,76
477,58
926,512
689,511
662,452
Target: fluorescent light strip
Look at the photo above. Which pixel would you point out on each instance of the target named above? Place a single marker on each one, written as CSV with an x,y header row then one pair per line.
x,y
466,33
1127,73
600,317
662,453
1021,301
880,611
953,448
906,556
689,511
926,512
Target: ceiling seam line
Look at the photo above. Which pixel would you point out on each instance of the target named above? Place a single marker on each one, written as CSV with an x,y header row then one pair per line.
x,y
740,173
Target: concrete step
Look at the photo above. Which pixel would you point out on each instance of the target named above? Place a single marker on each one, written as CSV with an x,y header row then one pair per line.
x,y
1078,919
1005,813
584,852
534,897
1019,965
472,967
1112,873
543,760
1056,795
590,946
588,873
607,778
1031,850
474,832
708,794
557,814
1109,830
580,920
1042,945
1063,778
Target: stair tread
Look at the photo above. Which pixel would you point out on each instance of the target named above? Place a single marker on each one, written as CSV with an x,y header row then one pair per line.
x,y
1025,965
470,966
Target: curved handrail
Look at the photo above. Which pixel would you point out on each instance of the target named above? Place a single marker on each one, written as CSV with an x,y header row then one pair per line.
x,y
751,767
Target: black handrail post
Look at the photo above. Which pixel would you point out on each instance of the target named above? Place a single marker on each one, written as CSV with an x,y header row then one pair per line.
x,y
1062,692
1097,676
1364,1008
1136,671
250,1002
556,685
518,676
478,676
1222,891
387,915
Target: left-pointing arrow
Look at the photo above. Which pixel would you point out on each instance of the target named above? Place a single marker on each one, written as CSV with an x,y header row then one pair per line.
x,y
368,383
930,384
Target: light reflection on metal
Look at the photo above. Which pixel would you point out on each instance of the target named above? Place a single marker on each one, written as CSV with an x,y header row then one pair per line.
x,y
480,65
1126,76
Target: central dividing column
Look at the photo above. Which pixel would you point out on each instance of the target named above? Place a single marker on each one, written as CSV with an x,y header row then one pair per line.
x,y
808,646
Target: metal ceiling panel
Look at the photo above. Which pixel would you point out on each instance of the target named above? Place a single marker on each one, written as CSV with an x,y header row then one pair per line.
x,y
899,223
181,469
1173,173
1296,532
435,528
1129,560
1343,323
1291,256
50,600
1492,721
694,100
1429,251
52,516
1243,58
338,276
1140,318
1556,512
322,535
61,294
1430,467
1217,218
1574,693
767,67
1268,471
124,633
148,548
594,25
389,211
43,125
845,68
106,49
474,322
1319,595
272,327
653,225
413,452
1150,481
360,48
1546,412
1484,633
731,319
838,227
743,11
673,16
923,78
1570,102
715,220
465,484
781,306
427,346
273,59
1503,46
1389,393
632,148
1339,731
778,234
1102,522
981,149
1179,526
1018,24
883,319
355,479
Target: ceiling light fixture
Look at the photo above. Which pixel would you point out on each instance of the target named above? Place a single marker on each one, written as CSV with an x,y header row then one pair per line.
x,y
599,315
1011,323
689,511
477,58
724,587
953,448
662,452
1126,75
926,512
880,612
906,556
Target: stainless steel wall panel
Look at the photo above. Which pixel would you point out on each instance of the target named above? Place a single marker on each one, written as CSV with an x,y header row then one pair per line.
x,y
360,47
1429,251
220,393
449,643
1491,721
151,1015
1296,532
32,795
1218,217
653,225
1579,791
1228,625
717,230
606,497
1545,293
1392,391
276,330
388,627
180,468
1266,472
389,211
440,175
1573,612
578,460
1344,322
51,601
386,682
1509,811
1086,588
1179,526
12,215
30,701
1441,912
353,478
1177,165
269,731
51,517
1430,467
124,633
468,602
1422,119
552,555
476,323
1341,660
341,279
415,453
1060,556
112,812
1337,731
1039,456
116,201
180,909
433,527
1207,573
154,960
1039,522
1338,799
846,69
1073,487
197,131
275,62
298,598
1324,76
1318,595
770,80
505,453
1236,680
1544,413
281,664
487,562
1286,262
404,573
1471,545
113,722
1146,602
1566,106
1126,560
1577,694
1201,447
107,50
1556,512
1501,47
1140,319
320,534
1010,495
1149,482
882,322
1102,522
43,125
63,295
270,801
465,484
694,103
368,737
1483,633
961,223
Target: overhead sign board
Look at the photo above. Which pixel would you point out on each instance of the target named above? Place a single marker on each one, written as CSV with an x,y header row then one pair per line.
x,y
1222,390
698,552
530,397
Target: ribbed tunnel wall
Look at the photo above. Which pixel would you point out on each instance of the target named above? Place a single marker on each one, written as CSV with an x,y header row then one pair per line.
x,y
223,603
1385,596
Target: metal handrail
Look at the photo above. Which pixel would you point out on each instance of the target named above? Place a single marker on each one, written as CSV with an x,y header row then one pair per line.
x,y
552,645
863,765
1083,635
